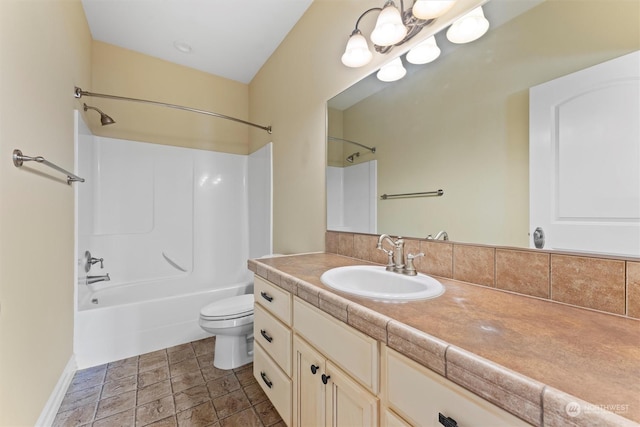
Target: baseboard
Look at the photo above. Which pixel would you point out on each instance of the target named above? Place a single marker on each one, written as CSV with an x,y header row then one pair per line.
x,y
50,409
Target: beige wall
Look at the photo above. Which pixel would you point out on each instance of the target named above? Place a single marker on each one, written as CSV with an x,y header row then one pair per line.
x,y
44,51
461,123
122,72
290,92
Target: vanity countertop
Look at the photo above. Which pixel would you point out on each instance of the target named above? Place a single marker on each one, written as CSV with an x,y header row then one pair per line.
x,y
533,357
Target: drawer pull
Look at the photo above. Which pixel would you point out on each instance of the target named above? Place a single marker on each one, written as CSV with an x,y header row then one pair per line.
x,y
266,380
266,296
325,378
447,421
314,369
265,335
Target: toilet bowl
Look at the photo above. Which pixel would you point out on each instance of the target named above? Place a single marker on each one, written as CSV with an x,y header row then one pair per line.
x,y
231,321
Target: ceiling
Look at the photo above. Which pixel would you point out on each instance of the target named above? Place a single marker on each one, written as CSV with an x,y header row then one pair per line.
x,y
231,38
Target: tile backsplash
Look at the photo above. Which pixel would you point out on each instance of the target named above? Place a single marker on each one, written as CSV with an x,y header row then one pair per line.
x,y
602,283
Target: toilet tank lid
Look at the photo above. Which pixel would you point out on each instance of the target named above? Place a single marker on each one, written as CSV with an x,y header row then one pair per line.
x,y
240,304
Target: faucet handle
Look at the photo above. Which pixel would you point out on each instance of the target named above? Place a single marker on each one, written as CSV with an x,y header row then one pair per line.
x,y
96,260
410,269
390,265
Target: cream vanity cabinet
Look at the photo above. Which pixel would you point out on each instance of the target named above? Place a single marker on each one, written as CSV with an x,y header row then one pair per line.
x,y
272,365
335,371
417,396
318,371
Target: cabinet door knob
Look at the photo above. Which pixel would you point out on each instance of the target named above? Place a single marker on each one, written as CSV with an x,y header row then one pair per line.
x,y
447,421
266,379
325,378
314,369
266,296
265,335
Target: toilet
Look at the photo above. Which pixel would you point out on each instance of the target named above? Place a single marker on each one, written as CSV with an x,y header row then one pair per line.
x,y
231,321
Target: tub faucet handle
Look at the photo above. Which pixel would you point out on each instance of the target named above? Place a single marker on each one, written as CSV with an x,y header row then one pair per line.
x,y
90,260
95,260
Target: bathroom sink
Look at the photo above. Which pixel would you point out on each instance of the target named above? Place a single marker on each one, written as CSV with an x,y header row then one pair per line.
x,y
379,284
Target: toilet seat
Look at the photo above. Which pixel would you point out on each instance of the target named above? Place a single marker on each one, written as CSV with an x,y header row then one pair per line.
x,y
229,308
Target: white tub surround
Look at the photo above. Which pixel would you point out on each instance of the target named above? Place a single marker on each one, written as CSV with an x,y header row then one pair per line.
x,y
172,226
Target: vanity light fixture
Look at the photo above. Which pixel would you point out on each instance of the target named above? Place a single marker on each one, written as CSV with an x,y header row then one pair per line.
x,y
468,28
431,9
393,28
393,71
389,28
425,52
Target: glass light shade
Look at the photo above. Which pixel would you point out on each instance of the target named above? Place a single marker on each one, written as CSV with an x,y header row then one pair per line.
x,y
391,72
389,28
470,27
431,9
357,52
424,52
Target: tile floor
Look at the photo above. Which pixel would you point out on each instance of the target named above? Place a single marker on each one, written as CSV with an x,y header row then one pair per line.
x,y
178,386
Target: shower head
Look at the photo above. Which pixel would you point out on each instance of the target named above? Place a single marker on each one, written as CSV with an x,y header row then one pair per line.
x,y
351,157
104,119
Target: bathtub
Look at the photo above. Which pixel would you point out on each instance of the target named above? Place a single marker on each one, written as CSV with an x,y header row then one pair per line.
x,y
117,322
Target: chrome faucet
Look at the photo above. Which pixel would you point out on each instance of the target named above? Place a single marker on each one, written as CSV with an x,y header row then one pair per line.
x,y
96,279
396,256
442,234
410,269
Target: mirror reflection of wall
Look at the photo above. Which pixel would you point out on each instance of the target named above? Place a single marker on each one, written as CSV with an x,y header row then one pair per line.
x,y
461,123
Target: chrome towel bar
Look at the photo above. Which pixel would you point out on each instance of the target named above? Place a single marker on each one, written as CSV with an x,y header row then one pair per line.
x,y
19,159
423,194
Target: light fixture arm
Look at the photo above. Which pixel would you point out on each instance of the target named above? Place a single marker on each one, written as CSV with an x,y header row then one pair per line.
x,y
362,16
78,93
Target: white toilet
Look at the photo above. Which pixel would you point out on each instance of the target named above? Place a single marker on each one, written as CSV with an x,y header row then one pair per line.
x,y
231,321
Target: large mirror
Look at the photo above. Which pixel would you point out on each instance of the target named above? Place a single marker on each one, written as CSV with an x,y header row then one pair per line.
x,y
461,123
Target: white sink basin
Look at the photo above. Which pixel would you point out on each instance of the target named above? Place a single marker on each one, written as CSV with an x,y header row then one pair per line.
x,y
379,284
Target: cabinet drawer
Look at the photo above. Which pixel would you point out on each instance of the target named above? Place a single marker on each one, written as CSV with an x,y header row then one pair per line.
x,y
419,395
351,350
277,301
276,385
274,337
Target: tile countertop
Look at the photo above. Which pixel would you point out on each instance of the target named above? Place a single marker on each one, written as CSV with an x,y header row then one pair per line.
x,y
535,358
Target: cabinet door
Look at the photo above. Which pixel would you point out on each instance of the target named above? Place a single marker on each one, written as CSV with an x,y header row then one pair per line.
x,y
349,404
390,419
309,408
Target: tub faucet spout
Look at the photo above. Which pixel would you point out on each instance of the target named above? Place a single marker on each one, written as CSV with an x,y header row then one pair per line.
x,y
96,279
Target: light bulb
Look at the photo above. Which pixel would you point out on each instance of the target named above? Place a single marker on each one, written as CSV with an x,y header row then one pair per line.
x,y
424,52
357,52
431,9
389,28
470,27
391,72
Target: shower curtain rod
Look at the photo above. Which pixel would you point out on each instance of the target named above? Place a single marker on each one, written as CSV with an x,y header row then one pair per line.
x,y
333,138
79,93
